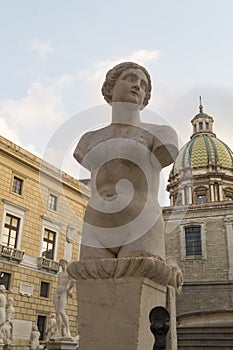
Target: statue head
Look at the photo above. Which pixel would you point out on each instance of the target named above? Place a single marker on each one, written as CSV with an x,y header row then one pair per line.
x,y
63,263
114,73
69,233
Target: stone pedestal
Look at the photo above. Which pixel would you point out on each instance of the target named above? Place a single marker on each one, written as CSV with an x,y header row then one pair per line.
x,y
60,344
115,297
113,314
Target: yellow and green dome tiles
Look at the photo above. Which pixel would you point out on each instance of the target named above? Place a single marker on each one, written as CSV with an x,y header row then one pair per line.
x,y
202,150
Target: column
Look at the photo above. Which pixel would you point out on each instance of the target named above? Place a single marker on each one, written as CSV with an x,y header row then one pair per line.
x,y
211,192
216,192
183,196
171,199
220,192
228,223
190,200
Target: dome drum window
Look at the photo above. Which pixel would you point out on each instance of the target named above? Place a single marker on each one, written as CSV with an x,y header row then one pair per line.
x,y
228,194
201,195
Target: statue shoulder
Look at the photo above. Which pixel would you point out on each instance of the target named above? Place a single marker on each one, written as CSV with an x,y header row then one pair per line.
x,y
165,147
83,145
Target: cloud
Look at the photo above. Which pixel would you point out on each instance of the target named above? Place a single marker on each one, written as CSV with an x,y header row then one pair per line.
x,y
31,120
42,105
8,133
42,49
140,57
179,104
144,56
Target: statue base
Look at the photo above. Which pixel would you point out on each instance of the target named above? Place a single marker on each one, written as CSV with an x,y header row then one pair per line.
x,y
115,297
114,313
62,344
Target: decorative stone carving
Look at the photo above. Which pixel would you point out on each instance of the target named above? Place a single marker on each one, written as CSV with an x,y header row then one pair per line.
x,y
70,233
153,268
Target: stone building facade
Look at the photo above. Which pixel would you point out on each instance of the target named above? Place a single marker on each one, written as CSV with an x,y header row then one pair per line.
x,y
199,231
40,222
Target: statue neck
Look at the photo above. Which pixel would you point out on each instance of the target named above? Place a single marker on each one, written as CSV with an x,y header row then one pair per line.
x,y
125,113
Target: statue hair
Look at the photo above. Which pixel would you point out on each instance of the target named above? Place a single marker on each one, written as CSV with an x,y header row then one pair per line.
x,y
61,260
113,74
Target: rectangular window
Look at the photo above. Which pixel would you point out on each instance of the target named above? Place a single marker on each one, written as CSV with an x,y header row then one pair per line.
x,y
17,186
193,241
49,241
5,278
201,199
200,125
52,202
41,324
44,289
207,125
11,231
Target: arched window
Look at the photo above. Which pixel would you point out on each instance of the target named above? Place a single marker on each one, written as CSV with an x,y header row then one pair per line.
x,y
201,194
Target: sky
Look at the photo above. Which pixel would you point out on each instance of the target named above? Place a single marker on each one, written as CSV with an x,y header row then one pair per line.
x,y
55,54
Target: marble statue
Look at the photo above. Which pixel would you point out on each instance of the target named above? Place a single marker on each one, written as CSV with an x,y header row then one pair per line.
x,y
52,329
7,334
69,240
65,283
123,217
10,311
70,233
34,343
2,305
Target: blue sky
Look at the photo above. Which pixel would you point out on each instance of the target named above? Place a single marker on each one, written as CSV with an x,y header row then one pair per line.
x,y
55,53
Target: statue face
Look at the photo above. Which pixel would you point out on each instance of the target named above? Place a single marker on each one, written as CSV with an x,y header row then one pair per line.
x,y
130,87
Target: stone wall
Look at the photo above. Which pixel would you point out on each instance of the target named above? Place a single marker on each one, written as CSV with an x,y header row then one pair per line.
x,y
207,278
33,203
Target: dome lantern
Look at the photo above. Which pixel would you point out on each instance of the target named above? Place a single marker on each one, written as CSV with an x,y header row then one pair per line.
x,y
202,122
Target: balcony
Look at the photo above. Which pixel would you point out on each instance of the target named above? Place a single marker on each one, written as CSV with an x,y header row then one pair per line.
x,y
11,253
49,265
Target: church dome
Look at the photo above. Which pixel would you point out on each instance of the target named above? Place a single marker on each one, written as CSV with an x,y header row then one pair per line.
x,y
203,170
203,150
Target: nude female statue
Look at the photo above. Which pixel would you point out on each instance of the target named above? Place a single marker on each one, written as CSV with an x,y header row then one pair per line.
x,y
123,217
